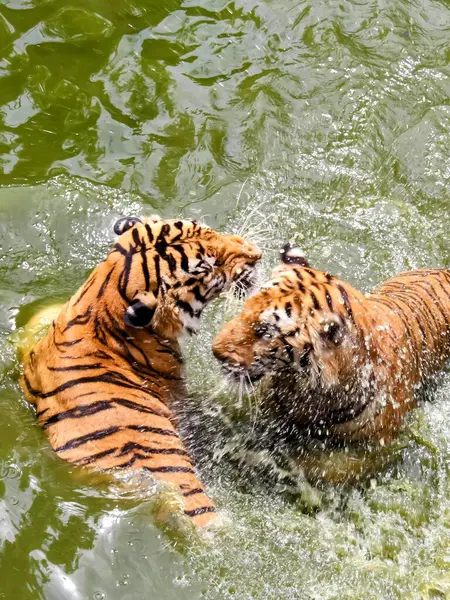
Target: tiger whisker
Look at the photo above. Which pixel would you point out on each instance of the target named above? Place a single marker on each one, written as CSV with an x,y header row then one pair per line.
x,y
240,192
252,395
247,219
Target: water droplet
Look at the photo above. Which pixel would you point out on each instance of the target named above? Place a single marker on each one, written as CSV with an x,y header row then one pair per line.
x,y
99,596
124,580
14,500
13,472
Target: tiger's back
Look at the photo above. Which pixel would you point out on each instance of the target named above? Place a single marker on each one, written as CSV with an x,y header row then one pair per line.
x,y
420,303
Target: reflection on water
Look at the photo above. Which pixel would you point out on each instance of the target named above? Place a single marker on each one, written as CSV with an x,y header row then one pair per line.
x,y
322,123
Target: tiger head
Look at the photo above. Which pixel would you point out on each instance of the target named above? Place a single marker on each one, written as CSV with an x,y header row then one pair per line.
x,y
303,320
162,273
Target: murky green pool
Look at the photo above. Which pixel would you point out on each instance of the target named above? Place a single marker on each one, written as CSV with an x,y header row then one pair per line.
x,y
322,122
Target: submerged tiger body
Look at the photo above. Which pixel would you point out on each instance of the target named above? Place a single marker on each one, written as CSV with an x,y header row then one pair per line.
x,y
343,366
104,376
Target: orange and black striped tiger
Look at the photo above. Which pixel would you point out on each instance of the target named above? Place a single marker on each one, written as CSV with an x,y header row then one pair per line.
x,y
104,376
342,365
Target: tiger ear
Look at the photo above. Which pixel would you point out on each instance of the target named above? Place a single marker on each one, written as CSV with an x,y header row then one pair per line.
x,y
293,255
124,224
141,311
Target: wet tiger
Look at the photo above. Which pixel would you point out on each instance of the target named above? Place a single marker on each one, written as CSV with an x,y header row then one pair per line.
x,y
342,365
104,376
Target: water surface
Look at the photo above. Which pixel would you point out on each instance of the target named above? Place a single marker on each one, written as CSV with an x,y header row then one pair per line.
x,y
322,123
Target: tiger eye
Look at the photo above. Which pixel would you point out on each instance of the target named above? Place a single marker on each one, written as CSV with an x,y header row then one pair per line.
x,y
332,332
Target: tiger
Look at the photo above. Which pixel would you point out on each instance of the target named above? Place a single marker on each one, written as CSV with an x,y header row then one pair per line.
x,y
339,366
104,376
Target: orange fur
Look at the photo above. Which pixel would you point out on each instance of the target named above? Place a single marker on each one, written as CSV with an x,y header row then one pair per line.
x,y
342,365
104,376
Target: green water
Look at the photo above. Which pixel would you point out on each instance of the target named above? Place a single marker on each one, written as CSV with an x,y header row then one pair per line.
x,y
321,122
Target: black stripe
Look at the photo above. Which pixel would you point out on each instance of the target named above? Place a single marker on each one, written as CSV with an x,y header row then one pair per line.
x,y
128,356
128,463
199,511
131,461
124,346
443,311
417,309
148,429
101,291
170,260
434,300
136,238
130,446
87,286
165,230
149,231
77,367
288,309
329,300
79,319
156,262
316,304
99,354
99,332
446,292
421,273
82,410
346,300
112,377
169,469
167,348
125,276
400,313
136,406
185,306
119,248
145,267
197,294
87,460
184,259
310,272
84,439
193,492
66,344
86,394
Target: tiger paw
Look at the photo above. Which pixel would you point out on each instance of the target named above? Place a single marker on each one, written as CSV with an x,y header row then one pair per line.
x,y
168,510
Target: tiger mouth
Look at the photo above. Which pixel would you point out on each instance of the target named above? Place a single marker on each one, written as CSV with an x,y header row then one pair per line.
x,y
236,373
